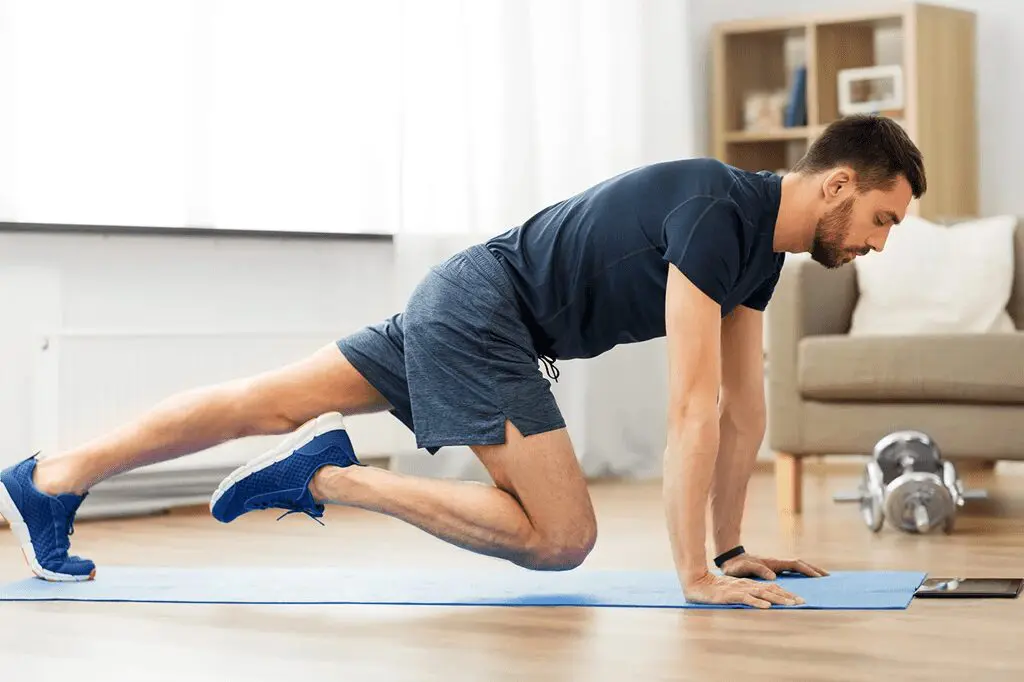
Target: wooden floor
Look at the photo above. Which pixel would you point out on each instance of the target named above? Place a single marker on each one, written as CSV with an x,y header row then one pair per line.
x,y
933,640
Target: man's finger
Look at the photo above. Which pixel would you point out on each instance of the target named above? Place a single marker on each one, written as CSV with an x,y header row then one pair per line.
x,y
798,566
777,595
808,569
789,597
821,572
758,569
751,600
797,599
774,588
747,568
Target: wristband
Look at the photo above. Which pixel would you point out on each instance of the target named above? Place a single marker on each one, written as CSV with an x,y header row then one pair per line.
x,y
725,556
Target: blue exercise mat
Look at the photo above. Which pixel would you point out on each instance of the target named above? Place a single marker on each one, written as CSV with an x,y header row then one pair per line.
x,y
581,587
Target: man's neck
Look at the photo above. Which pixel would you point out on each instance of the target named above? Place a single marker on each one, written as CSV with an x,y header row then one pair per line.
x,y
794,227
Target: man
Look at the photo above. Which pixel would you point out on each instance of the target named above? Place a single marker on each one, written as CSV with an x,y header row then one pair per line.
x,y
690,250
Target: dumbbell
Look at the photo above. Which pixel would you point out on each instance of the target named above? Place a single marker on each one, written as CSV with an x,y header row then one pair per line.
x,y
909,483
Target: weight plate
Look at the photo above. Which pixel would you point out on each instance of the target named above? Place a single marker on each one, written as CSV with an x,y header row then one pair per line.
x,y
871,510
871,497
914,493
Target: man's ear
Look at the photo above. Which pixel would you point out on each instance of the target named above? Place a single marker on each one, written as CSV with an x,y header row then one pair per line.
x,y
838,184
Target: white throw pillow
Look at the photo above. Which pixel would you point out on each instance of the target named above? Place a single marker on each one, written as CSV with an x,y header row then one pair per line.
x,y
938,279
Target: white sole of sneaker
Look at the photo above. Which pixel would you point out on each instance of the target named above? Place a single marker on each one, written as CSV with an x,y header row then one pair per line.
x,y
10,512
331,421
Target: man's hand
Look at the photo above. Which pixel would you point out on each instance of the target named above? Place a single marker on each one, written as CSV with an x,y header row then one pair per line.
x,y
749,566
719,589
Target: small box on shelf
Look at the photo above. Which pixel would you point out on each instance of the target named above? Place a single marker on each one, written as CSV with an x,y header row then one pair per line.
x,y
764,111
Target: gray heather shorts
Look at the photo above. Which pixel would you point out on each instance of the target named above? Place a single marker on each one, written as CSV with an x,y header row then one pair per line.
x,y
458,361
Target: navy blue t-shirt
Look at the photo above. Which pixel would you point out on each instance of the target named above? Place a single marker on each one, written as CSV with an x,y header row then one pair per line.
x,y
591,272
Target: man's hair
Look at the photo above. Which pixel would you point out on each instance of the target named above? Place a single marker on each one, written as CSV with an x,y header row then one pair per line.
x,y
877,148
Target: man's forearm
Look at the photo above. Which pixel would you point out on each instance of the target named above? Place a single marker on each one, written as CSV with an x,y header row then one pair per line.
x,y
688,470
739,442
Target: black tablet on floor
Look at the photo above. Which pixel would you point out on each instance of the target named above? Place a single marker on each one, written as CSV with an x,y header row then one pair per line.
x,y
977,588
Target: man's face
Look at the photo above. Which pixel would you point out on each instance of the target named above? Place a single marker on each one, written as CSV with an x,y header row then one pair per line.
x,y
859,223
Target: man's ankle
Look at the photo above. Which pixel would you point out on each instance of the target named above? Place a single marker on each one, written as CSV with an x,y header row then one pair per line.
x,y
324,486
51,478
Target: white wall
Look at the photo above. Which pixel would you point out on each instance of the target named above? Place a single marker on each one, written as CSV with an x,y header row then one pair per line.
x,y
1000,96
134,317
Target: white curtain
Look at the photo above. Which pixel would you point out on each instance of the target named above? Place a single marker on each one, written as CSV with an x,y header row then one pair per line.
x,y
509,105
434,116
393,116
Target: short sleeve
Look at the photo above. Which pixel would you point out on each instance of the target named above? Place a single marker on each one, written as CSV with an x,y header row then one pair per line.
x,y
759,299
703,238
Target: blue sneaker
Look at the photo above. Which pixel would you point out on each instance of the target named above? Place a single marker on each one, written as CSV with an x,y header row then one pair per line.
x,y
280,479
43,525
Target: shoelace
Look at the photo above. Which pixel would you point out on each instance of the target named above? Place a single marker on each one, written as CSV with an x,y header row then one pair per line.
x,y
62,551
292,509
63,545
549,367
69,529
301,511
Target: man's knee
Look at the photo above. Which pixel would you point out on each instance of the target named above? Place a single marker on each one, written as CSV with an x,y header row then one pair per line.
x,y
562,551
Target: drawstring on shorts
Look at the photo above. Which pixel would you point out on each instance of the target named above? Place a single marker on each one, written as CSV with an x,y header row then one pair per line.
x,y
549,367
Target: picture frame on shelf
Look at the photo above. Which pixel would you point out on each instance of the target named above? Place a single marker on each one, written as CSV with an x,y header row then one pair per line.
x,y
870,90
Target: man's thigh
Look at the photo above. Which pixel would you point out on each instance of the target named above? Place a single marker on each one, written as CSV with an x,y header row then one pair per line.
x,y
541,471
324,381
361,373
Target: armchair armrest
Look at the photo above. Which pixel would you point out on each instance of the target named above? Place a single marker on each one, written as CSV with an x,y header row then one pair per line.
x,y
809,300
1016,305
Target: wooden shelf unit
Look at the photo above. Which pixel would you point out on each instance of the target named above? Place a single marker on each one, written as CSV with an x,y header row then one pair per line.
x,y
934,45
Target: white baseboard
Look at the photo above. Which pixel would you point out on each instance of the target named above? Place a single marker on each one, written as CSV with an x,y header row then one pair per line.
x,y
150,492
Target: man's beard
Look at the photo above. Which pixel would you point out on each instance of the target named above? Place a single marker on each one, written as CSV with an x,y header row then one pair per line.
x,y
830,236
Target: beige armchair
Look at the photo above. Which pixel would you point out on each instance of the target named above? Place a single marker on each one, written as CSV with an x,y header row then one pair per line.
x,y
833,394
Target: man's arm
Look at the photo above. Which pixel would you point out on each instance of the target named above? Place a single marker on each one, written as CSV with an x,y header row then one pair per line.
x,y
693,327
693,333
741,427
741,424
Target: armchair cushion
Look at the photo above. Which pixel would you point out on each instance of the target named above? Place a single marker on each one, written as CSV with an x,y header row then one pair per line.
x,y
956,368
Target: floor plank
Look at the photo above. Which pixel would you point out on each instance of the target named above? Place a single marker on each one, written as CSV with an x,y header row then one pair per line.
x,y
932,640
